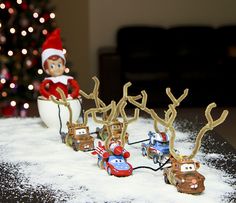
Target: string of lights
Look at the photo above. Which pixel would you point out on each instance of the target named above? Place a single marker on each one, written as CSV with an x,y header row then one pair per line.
x,y
24,25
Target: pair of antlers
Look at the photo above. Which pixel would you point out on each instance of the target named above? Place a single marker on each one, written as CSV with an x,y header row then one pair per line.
x,y
115,110
170,116
210,125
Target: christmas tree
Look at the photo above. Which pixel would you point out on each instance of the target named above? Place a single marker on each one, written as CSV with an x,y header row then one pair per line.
x,y
24,25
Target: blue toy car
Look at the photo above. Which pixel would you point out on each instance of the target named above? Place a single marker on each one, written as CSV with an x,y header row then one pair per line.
x,y
157,148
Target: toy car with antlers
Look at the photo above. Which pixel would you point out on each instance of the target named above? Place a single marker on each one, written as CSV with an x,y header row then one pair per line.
x,y
183,174
116,128
158,147
116,135
183,171
78,136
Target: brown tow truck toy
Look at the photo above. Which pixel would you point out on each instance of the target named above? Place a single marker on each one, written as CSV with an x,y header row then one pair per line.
x,y
78,136
116,129
183,174
183,170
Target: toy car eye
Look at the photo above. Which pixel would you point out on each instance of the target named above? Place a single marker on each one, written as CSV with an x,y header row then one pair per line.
x,y
190,167
186,168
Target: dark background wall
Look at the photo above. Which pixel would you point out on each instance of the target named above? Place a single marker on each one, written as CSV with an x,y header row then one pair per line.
x,y
89,24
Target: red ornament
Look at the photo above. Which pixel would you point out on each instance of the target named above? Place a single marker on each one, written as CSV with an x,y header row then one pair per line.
x,y
46,16
9,111
7,4
24,6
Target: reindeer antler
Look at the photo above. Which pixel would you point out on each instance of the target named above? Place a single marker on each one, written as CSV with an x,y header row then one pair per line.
x,y
62,101
209,126
143,106
175,102
125,97
94,95
93,112
112,108
126,121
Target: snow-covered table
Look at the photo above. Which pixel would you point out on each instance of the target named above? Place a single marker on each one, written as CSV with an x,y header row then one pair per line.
x,y
36,167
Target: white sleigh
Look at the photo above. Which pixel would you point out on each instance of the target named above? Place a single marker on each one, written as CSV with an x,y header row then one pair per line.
x,y
49,112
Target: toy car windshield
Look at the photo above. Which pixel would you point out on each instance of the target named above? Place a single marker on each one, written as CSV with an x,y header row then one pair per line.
x,y
81,131
187,167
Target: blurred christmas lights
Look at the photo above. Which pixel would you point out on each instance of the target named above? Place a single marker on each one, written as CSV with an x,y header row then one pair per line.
x,y
52,15
41,20
10,53
2,6
67,70
12,30
2,39
30,29
26,105
18,23
35,52
30,87
4,94
40,71
44,31
23,33
3,80
24,51
13,103
28,62
12,85
11,10
19,1
35,15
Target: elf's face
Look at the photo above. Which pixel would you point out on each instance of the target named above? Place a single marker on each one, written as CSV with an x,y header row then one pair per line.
x,y
55,67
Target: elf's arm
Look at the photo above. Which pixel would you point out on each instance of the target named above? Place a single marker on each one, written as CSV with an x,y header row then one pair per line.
x,y
42,88
75,88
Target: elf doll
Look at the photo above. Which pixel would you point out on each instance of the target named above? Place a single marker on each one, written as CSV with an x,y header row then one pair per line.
x,y
53,63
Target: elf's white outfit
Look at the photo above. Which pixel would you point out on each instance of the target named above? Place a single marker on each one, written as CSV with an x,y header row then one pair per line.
x,y
53,46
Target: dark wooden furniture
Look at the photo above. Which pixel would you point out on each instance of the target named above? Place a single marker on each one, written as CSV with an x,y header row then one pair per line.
x,y
201,58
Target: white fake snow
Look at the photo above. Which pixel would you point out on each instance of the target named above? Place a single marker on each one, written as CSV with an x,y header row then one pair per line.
x,y
76,173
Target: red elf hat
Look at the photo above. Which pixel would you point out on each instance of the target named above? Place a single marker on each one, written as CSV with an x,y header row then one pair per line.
x,y
52,46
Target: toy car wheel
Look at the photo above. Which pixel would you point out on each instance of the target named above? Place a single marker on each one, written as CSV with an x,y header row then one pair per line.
x,y
109,171
156,159
144,151
166,179
74,147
